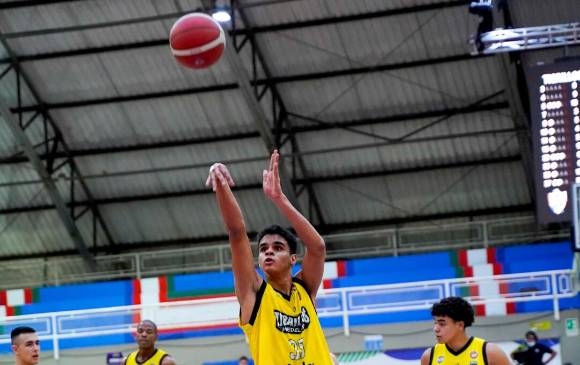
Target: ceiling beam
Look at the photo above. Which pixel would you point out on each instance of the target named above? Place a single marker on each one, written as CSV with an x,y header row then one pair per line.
x,y
30,3
124,98
183,242
254,134
48,184
257,186
280,118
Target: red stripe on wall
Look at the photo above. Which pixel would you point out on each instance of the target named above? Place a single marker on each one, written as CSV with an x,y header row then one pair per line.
x,y
510,307
462,258
137,299
136,291
3,298
468,271
162,289
480,310
9,311
341,268
474,290
491,255
497,268
27,296
327,283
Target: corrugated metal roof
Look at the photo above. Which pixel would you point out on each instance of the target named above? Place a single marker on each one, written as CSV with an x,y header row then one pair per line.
x,y
291,11
156,120
29,233
119,73
433,192
402,91
192,163
534,13
184,217
369,43
171,204
410,156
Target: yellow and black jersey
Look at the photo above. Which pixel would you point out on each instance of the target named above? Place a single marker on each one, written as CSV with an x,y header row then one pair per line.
x,y
285,330
154,359
473,353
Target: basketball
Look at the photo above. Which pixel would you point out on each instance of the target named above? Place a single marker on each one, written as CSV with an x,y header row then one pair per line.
x,y
197,40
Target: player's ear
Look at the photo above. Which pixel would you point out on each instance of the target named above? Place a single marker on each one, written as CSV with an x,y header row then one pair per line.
x,y
293,259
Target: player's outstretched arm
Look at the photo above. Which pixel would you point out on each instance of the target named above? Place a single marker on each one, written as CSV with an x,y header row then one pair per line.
x,y
496,356
246,279
313,263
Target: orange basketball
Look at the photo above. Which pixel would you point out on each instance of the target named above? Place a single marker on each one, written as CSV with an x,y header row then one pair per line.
x,y
197,40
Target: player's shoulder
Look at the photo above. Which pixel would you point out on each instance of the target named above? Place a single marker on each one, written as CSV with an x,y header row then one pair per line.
x,y
427,356
168,360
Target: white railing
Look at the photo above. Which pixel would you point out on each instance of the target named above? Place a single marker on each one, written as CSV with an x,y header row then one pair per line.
x,y
41,272
339,302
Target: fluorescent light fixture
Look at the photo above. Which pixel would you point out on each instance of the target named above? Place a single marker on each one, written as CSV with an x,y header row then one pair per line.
x,y
222,16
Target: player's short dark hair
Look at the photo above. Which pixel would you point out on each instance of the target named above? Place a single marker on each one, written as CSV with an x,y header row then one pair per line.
x,y
19,331
284,233
458,309
149,322
243,358
533,334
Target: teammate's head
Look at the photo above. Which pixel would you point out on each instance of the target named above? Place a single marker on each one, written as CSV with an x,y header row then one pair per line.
x,y
25,345
243,360
277,249
146,334
451,316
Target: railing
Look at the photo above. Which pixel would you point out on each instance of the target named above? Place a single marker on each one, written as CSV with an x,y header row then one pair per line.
x,y
41,272
339,302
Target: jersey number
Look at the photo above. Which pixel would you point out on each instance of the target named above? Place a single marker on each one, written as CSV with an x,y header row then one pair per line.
x,y
297,349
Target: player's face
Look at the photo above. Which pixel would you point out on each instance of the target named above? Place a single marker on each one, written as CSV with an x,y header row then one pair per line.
x,y
146,335
446,328
27,348
274,254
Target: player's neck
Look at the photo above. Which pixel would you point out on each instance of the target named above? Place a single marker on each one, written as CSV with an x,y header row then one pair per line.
x,y
458,341
144,354
282,283
20,362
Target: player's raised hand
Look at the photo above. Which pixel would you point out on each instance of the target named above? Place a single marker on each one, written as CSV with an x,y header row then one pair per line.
x,y
219,175
271,179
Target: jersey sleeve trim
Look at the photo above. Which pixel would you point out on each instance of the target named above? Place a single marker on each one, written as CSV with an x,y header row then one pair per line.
x,y
259,295
162,357
484,350
302,283
431,355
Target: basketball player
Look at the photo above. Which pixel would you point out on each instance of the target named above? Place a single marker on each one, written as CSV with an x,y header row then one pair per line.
x,y
276,314
25,345
146,337
452,316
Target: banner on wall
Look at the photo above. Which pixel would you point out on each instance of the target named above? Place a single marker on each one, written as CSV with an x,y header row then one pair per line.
x,y
413,356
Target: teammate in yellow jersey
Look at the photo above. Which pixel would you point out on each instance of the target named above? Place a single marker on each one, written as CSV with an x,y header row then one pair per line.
x,y
147,353
452,316
276,314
